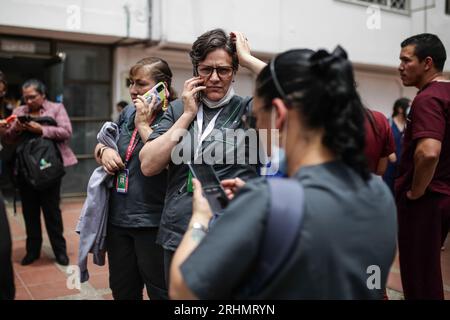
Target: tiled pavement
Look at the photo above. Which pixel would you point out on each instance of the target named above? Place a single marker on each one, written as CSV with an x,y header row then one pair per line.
x,y
45,279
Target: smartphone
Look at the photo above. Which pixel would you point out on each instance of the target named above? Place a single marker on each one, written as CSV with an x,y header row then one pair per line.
x,y
24,119
11,118
212,189
198,95
159,91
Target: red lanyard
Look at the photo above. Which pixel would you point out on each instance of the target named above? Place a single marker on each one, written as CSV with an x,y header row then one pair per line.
x,y
133,143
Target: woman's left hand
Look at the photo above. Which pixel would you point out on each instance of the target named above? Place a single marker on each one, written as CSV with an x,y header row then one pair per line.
x,y
242,48
144,111
246,59
33,127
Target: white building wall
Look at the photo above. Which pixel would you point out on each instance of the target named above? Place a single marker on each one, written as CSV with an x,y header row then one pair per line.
x,y
98,17
276,25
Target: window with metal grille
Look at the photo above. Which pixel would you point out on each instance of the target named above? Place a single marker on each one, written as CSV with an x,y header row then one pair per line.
x,y
401,6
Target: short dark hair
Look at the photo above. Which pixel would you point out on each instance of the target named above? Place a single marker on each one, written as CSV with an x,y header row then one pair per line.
x,y
122,104
402,103
210,41
38,85
428,45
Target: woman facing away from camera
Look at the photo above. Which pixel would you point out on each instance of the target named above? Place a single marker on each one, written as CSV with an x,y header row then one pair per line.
x,y
135,210
209,107
319,114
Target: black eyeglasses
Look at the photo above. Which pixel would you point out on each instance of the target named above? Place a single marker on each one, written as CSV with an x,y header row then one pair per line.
x,y
31,97
222,72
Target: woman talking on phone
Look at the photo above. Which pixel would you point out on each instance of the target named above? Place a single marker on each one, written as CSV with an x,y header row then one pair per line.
x,y
136,202
208,104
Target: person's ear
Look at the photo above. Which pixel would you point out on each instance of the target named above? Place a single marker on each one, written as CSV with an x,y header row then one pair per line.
x,y
280,112
428,63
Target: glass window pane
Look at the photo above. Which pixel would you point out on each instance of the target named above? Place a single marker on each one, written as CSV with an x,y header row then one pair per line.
x,y
86,62
84,136
77,177
88,100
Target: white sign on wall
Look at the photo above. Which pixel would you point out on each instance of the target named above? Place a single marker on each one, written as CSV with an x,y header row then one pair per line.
x,y
18,46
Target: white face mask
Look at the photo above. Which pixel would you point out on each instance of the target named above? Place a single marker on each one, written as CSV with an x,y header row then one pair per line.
x,y
224,101
278,162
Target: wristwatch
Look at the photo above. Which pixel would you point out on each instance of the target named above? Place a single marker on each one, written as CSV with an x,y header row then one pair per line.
x,y
199,226
199,231
100,152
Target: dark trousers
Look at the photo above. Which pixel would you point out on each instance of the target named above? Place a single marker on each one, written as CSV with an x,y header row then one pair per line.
x,y
421,224
48,199
135,260
168,256
7,289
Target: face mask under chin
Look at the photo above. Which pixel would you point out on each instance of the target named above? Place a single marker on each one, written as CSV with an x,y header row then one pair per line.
x,y
224,101
277,166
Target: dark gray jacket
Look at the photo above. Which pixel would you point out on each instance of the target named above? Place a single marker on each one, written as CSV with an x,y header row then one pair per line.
x,y
142,206
178,202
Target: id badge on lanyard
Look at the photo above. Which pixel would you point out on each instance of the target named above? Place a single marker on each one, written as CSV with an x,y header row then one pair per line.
x,y
122,179
201,136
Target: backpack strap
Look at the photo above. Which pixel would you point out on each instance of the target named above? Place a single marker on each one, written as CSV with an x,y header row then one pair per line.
x,y
282,229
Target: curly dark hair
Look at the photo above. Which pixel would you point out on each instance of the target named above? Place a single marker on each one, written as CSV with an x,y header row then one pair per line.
x,y
321,87
210,41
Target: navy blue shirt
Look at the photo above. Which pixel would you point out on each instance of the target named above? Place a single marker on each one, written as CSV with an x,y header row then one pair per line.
x,y
349,225
143,204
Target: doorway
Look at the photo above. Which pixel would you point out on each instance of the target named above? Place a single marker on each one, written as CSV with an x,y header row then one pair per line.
x,y
76,74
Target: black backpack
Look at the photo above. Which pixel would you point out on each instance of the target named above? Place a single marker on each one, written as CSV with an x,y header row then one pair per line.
x,y
38,160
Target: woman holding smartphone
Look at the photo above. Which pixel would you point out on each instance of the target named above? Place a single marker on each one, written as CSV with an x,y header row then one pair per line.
x,y
47,198
136,202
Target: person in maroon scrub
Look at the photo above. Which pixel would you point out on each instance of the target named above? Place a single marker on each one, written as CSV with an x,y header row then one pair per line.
x,y
423,184
380,145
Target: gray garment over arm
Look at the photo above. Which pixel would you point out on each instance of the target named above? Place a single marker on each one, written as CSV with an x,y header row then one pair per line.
x,y
94,214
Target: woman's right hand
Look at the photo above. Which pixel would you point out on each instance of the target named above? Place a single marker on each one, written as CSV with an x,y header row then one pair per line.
x,y
111,161
189,96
